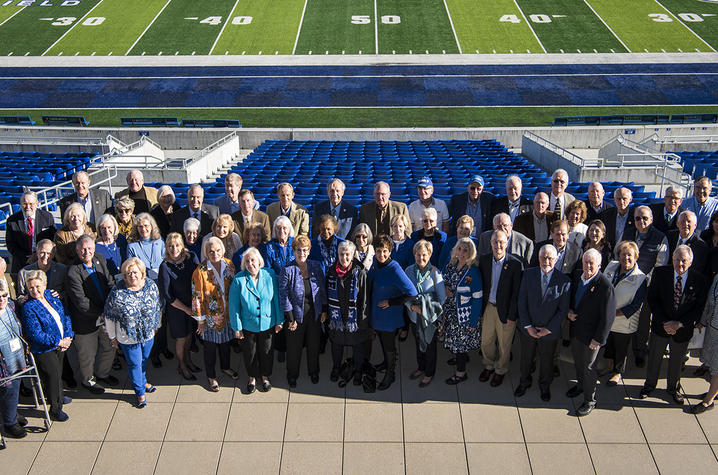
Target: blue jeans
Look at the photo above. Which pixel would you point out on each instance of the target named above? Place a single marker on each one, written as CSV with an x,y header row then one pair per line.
x,y
8,402
136,356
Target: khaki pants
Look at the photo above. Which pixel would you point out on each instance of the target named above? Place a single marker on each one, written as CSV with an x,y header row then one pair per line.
x,y
496,339
95,354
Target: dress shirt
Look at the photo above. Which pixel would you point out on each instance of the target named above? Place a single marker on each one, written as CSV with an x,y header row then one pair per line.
x,y
703,211
495,276
514,208
683,241
86,203
474,210
56,317
668,216
621,225
559,258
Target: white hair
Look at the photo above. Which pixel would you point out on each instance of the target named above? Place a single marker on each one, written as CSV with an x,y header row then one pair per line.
x,y
282,220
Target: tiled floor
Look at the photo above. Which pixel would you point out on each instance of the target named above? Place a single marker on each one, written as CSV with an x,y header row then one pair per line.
x,y
326,429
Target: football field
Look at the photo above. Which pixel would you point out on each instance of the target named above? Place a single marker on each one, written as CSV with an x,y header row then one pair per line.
x,y
336,27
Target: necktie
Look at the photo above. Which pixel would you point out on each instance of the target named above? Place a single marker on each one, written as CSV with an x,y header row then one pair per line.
x,y
246,220
30,232
677,293
335,213
668,218
557,208
544,284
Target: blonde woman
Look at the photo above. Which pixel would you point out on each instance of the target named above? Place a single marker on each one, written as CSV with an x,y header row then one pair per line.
x,y
74,225
223,228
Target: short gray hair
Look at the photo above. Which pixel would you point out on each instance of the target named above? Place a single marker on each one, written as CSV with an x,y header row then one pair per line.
x,y
594,255
336,180
346,246
671,191
195,186
560,171
282,220
548,248
79,174
683,249
233,177
190,224
252,251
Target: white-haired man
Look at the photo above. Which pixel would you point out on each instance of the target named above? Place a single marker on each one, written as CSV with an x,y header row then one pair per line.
x,y
145,197
513,203
25,229
559,199
345,213
95,201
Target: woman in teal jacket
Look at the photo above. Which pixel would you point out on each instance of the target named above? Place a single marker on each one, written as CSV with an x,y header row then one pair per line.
x,y
254,314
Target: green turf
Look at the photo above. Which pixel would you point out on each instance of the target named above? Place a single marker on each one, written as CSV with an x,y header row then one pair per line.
x,y
641,32
273,28
27,33
701,17
479,28
420,29
124,22
569,26
368,117
8,11
172,34
328,26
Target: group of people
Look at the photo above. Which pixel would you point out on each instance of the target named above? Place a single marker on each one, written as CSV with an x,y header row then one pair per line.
x,y
590,275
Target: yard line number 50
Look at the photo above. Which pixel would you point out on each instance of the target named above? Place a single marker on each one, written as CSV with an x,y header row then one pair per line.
x,y
366,19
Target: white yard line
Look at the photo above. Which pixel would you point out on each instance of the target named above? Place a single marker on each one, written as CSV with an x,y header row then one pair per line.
x,y
229,18
606,25
8,18
531,27
448,13
72,27
299,29
376,30
686,26
148,27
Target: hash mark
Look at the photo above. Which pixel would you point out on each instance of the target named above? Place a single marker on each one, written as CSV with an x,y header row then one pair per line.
x,y
243,53
93,53
10,53
193,53
76,53
276,52
176,53
578,50
342,51
612,51
511,51
663,49
410,52
443,51
708,14
143,53
427,51
559,16
393,52
109,54
192,18
595,50
159,54
226,53
359,51
60,53
477,51
494,51
680,50
310,52
26,53
326,52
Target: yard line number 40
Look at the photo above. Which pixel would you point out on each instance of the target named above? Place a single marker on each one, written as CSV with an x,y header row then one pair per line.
x,y
657,17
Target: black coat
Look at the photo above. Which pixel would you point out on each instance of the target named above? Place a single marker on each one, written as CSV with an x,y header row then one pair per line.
x,y
659,217
208,213
362,334
347,217
501,205
457,208
85,301
596,309
609,219
701,252
690,308
591,214
16,237
507,293
101,203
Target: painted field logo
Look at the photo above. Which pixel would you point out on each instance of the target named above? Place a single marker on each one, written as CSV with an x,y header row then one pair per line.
x,y
43,3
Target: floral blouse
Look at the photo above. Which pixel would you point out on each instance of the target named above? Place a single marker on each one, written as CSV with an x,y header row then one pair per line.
x,y
209,299
133,316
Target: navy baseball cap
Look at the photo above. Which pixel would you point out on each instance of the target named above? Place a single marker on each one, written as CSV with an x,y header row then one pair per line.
x,y
477,179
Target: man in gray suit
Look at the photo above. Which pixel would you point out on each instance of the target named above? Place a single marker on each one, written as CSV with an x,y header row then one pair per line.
x,y
519,245
559,199
544,299
95,201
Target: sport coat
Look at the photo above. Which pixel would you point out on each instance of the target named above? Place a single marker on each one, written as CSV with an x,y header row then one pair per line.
x,y
16,236
501,205
56,278
701,258
524,223
298,216
367,214
591,214
609,219
257,217
100,199
596,309
520,246
86,303
208,213
507,292
571,258
150,195
544,311
458,204
659,218
347,217
690,307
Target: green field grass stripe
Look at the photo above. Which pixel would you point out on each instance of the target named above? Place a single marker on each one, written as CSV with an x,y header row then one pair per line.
x,y
185,27
9,11
36,28
259,26
625,46
110,28
337,27
407,27
78,22
453,30
224,26
700,17
479,27
533,32
645,26
149,25
569,26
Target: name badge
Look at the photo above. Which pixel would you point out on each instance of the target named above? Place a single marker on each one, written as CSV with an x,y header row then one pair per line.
x,y
15,345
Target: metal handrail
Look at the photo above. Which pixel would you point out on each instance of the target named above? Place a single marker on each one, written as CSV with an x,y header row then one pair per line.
x,y
55,191
188,161
82,141
572,157
688,139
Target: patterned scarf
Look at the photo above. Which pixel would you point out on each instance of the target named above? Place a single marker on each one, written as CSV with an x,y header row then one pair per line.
x,y
336,322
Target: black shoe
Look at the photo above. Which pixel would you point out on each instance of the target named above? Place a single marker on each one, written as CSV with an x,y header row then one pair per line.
x,y
70,383
566,343
387,381
292,382
168,354
266,386
700,408
59,416
380,367
192,367
574,391
485,375
556,371
251,387
314,378
156,362
677,398
21,420
357,378
546,395
497,380
424,383
15,431
585,409
454,380
645,392
281,356
231,373
640,362
108,381
95,389
334,375
520,390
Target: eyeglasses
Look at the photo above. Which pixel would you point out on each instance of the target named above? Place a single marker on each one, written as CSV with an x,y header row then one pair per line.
x,y
642,218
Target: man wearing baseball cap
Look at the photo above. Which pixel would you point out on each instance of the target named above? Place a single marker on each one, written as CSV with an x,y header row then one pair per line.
x,y
475,203
425,190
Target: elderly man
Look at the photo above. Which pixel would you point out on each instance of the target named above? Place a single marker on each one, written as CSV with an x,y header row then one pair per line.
x,y
591,314
595,204
568,254
518,245
249,214
676,295
475,203
686,234
620,217
88,284
544,298
425,190
95,201
501,278
56,273
297,214
343,212
513,203
559,199
25,228
701,203
228,203
145,197
536,225
196,208
665,215
377,214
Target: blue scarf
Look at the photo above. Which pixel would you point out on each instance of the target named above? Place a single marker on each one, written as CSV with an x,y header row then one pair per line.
x,y
336,322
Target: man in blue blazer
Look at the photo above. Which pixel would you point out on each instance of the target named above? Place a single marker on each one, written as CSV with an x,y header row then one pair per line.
x,y
343,212
544,299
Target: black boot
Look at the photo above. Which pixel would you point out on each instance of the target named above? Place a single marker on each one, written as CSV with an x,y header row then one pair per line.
x,y
387,381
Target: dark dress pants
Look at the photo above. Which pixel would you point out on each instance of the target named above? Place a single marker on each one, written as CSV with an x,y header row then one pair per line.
x,y
210,357
616,349
308,333
357,355
160,345
258,356
584,359
640,337
656,349
426,360
49,367
545,349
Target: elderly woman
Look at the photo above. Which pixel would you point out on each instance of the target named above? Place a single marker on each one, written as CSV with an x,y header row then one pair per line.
x,y
175,283
425,309
255,314
575,216
302,296
74,225
210,291
630,290
362,238
110,243
391,289
133,313
190,231
431,233
12,355
709,354
254,235
162,212
464,226
462,307
596,239
48,331
347,302
125,213
223,228
402,244
56,273
278,252
325,245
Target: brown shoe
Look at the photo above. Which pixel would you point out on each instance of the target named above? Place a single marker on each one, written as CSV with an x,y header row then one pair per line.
x,y
497,380
485,375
